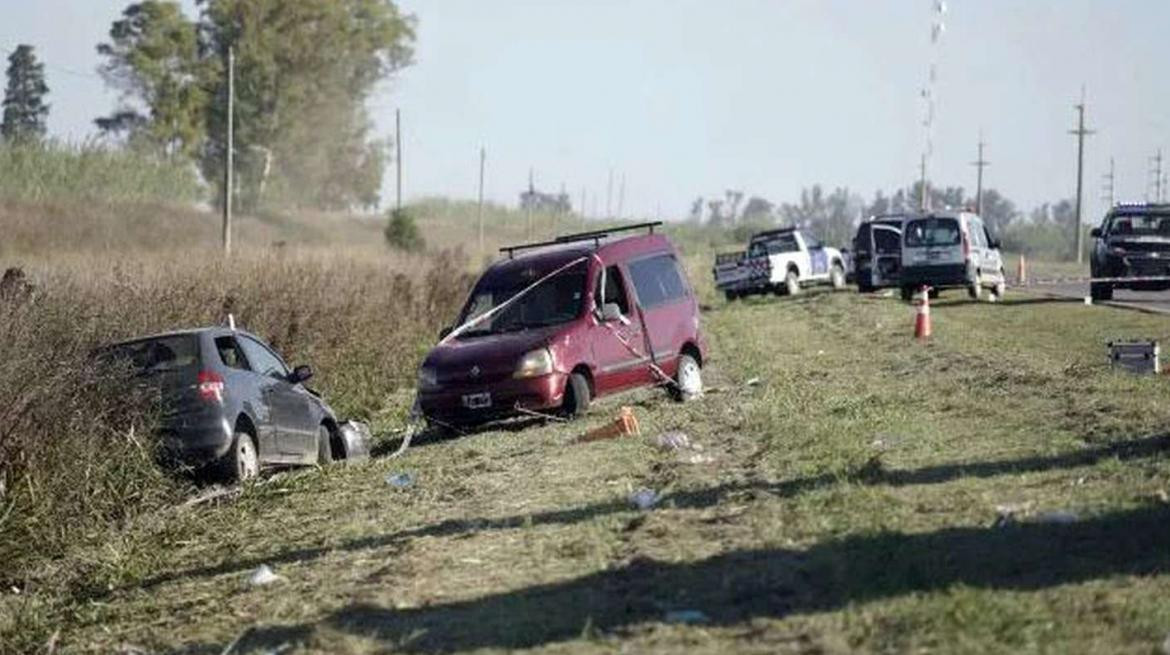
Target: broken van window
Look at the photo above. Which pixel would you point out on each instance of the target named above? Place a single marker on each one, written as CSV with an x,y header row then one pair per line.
x,y
557,300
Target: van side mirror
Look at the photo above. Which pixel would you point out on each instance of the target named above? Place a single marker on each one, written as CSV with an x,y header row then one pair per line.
x,y
1095,233
300,374
445,331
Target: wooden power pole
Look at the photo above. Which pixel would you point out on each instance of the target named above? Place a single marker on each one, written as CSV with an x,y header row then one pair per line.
x,y
229,159
1080,133
979,165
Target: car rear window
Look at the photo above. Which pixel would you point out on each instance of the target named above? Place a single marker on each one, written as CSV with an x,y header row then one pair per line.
x,y
164,354
932,232
657,280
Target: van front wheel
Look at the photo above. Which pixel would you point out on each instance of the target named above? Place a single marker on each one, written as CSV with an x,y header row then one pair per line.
x,y
577,396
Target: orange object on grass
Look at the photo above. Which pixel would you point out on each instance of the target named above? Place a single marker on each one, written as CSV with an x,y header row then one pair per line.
x,y
624,425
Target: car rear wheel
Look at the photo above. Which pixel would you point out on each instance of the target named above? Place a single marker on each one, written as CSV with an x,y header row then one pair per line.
x,y
688,380
324,447
792,283
577,396
907,294
1100,291
837,277
1000,287
241,462
731,295
975,290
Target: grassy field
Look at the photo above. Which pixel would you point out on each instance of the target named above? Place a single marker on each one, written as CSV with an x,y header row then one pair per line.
x,y
998,489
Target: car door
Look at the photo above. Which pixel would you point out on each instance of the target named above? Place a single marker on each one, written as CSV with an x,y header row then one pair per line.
x,y
619,350
979,249
290,404
665,305
886,244
251,388
817,258
994,257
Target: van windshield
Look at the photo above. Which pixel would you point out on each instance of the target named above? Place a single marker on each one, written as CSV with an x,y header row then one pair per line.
x,y
932,232
557,300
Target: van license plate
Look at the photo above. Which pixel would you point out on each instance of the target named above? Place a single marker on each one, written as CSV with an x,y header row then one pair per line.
x,y
477,400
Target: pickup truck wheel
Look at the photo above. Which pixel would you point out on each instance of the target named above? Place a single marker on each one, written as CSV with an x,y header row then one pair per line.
x,y
731,295
907,294
241,462
577,396
792,283
837,277
324,449
688,380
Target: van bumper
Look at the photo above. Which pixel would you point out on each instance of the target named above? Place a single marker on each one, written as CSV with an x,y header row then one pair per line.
x,y
942,275
537,394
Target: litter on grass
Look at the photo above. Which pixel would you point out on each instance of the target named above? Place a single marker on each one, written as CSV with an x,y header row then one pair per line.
x,y
644,498
686,616
624,425
263,575
673,440
400,480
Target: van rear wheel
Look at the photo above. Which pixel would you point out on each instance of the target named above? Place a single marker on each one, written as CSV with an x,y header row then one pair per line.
x,y
975,290
577,396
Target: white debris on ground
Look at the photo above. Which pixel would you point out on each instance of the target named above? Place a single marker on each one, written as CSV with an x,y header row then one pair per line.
x,y
400,480
263,575
644,499
678,441
686,616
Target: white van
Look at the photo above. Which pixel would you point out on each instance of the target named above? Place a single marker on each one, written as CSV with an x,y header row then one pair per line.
x,y
948,250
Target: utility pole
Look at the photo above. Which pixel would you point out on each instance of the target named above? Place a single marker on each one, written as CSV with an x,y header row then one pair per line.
x,y
923,196
1107,189
398,158
229,158
622,197
531,198
1080,133
479,208
979,164
609,197
1156,173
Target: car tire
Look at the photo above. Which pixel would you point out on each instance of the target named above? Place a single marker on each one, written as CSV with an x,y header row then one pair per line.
x,y
1000,287
731,295
975,289
907,294
837,277
577,396
241,463
324,447
933,293
688,379
1100,291
792,284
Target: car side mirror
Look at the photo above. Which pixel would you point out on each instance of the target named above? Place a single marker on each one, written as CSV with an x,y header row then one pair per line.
x,y
610,312
300,374
1095,233
445,331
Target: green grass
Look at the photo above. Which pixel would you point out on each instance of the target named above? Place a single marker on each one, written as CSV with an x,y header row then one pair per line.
x,y
851,505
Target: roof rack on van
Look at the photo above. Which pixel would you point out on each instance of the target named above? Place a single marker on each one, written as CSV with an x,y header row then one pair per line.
x,y
595,235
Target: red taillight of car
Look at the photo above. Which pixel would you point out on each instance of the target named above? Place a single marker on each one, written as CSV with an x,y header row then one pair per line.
x,y
210,385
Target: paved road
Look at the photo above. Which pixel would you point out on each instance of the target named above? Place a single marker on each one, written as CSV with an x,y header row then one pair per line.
x,y
1154,301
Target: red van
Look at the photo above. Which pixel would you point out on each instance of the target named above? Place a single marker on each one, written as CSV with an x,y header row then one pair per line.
x,y
556,324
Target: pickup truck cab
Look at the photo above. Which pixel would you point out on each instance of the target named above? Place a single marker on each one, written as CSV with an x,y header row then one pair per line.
x,y
779,261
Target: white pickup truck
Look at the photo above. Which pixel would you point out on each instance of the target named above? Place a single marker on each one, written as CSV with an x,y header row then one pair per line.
x,y
780,261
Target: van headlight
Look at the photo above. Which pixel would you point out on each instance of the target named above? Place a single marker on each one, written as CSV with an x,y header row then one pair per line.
x,y
428,378
534,364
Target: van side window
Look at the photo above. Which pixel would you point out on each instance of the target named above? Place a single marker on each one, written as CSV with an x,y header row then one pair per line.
x,y
657,280
614,291
230,353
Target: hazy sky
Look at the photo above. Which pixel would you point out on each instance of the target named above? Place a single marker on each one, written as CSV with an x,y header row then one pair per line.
x,y
691,97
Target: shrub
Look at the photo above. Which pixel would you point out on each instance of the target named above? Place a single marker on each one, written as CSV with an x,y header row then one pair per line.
x,y
402,232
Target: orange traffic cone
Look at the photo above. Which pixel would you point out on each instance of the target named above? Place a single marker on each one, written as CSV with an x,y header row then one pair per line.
x,y
922,316
1022,271
625,424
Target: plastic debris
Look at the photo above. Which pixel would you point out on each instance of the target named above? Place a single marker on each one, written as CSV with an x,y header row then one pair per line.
x,y
644,498
673,440
625,424
695,458
753,382
1062,517
686,616
400,480
263,575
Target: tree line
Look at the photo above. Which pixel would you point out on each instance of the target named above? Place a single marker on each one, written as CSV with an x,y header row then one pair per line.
x,y
834,214
304,70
